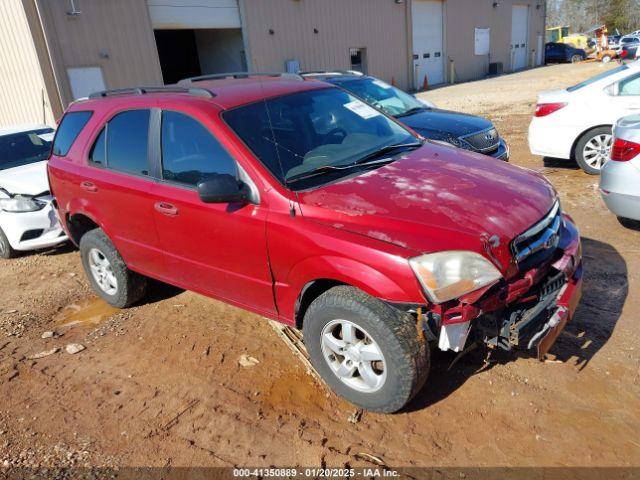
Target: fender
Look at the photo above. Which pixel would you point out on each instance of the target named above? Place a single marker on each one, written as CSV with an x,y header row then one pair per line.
x,y
341,270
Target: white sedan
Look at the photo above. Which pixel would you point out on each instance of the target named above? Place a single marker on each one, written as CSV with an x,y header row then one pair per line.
x,y
575,124
28,220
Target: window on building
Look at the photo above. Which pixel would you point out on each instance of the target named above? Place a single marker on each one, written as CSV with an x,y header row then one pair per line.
x,y
70,127
190,153
358,59
127,142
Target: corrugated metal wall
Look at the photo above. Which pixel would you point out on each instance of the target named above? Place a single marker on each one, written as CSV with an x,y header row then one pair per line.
x,y
21,83
378,25
115,35
461,18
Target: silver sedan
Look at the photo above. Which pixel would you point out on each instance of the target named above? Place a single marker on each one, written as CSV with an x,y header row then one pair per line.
x,y
620,179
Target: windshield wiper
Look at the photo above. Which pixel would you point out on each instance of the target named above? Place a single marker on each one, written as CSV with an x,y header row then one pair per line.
x,y
333,168
386,149
411,111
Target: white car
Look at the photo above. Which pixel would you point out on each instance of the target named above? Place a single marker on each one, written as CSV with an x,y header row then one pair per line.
x,y
28,220
620,179
576,123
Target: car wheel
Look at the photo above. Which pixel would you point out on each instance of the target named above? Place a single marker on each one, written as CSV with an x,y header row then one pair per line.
x,y
593,149
5,247
576,58
366,351
606,59
629,223
107,272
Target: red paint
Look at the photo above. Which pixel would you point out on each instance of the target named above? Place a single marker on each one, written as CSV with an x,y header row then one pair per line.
x,y
359,231
624,150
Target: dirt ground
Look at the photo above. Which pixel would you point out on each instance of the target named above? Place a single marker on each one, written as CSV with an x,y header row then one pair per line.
x,y
161,384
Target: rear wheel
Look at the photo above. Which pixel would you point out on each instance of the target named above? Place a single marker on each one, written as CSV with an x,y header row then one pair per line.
x,y
606,58
576,58
107,272
593,149
366,351
5,247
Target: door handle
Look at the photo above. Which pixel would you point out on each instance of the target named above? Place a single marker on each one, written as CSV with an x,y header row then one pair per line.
x,y
89,186
166,209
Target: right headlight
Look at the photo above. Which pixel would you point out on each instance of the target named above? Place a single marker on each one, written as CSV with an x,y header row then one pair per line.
x,y
449,275
19,204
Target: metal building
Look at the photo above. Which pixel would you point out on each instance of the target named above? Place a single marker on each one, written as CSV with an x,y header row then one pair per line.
x,y
53,51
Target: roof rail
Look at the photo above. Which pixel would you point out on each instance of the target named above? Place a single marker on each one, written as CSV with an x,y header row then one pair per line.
x,y
200,92
236,75
332,73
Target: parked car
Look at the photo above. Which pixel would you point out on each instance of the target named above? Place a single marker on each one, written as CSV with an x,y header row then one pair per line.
x,y
620,179
629,52
27,218
562,52
575,123
298,201
461,130
614,42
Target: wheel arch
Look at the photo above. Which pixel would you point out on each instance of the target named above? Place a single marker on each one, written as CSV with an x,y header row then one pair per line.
x,y
78,224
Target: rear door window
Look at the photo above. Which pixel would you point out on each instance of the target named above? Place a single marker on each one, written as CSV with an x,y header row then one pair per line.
x,y
190,153
629,86
128,142
70,127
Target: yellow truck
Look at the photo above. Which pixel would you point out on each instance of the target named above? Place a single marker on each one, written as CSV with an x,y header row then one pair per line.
x,y
562,35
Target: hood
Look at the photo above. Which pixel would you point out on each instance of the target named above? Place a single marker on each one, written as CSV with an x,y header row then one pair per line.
x,y
27,179
435,121
436,198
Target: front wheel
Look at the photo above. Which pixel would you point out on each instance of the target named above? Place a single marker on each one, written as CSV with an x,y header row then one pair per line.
x,y
576,58
366,351
593,149
5,247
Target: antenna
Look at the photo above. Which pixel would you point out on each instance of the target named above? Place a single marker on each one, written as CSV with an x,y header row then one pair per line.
x,y
74,11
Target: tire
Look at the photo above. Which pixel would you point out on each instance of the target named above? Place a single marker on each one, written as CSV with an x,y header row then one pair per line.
x,y
629,223
6,251
113,281
596,141
405,357
576,59
606,59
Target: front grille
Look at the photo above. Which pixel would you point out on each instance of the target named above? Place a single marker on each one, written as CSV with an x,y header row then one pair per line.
x,y
538,244
485,141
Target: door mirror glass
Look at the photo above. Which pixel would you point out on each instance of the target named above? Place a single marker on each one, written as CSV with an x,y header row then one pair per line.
x,y
222,188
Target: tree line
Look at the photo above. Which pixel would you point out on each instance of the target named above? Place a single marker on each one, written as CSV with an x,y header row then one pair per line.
x,y
582,15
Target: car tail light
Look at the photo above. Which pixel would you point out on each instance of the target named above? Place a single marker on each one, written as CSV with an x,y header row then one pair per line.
x,y
623,150
544,109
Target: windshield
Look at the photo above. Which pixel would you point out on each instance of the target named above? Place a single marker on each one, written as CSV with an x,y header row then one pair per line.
x,y
386,97
18,149
315,130
598,77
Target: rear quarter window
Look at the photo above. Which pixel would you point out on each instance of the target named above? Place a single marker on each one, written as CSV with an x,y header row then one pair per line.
x,y
70,127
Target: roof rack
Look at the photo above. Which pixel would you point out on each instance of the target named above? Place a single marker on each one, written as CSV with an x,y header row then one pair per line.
x,y
237,75
200,92
332,73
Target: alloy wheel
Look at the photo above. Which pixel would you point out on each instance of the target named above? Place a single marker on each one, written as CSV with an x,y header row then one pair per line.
x,y
102,272
597,150
353,356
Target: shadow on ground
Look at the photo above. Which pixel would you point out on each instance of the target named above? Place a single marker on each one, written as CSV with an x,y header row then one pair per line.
x,y
550,162
605,290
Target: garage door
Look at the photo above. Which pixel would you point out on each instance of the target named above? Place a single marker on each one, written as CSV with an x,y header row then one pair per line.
x,y
194,14
519,36
428,51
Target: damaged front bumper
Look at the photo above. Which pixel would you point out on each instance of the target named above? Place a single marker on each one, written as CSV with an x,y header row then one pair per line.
x,y
529,312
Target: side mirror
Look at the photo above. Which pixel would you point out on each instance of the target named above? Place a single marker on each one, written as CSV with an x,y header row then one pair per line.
x,y
222,188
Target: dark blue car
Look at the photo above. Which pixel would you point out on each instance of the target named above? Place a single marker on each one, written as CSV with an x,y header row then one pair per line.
x,y
470,132
563,53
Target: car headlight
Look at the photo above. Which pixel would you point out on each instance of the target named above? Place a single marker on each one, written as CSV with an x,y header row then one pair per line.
x,y
448,275
20,204
450,142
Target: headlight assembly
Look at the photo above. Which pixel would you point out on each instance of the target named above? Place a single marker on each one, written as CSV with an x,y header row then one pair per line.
x,y
20,204
448,275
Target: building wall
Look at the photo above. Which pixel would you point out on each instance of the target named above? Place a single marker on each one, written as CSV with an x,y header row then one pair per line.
x,y
461,19
378,25
115,35
23,95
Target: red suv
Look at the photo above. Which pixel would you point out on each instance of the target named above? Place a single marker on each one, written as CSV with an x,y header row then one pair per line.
x,y
299,202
